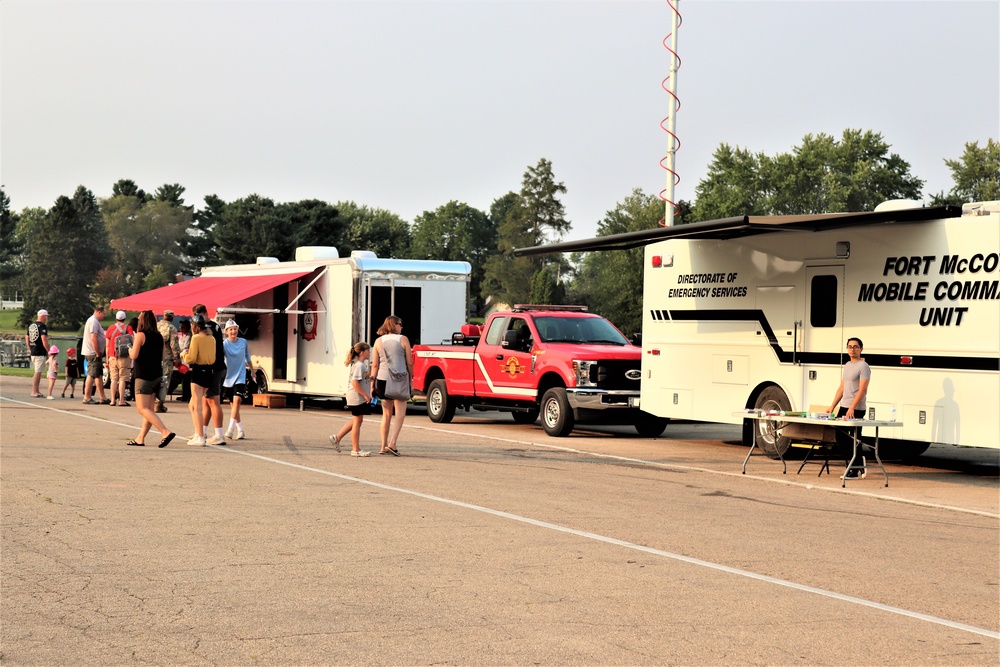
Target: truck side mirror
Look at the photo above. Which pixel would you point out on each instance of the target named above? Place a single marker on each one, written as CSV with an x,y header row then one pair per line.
x,y
509,340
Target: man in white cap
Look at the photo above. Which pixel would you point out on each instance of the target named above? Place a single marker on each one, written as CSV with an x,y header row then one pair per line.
x,y
120,366
38,346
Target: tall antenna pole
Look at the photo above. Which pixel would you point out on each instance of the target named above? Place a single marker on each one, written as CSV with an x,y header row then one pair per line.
x,y
670,85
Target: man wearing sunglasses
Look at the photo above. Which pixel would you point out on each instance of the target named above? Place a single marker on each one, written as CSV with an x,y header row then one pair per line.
x,y
849,402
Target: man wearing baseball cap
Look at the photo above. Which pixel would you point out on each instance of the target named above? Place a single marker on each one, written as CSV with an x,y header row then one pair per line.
x,y
120,367
38,346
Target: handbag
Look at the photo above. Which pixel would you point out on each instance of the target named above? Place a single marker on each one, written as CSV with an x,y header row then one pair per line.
x,y
397,387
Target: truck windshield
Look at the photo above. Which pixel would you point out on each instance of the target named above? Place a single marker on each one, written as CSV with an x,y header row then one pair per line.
x,y
594,330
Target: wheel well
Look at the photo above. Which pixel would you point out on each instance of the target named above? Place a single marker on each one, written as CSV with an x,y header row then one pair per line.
x,y
548,381
433,373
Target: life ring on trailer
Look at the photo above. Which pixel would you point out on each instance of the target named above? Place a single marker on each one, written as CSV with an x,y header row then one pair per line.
x,y
309,320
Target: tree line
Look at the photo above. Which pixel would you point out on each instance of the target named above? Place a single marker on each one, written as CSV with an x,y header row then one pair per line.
x,y
86,250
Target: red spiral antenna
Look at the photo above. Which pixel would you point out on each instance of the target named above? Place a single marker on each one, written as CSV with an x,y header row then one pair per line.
x,y
669,124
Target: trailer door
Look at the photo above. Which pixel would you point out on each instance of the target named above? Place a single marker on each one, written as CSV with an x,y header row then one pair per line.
x,y
823,325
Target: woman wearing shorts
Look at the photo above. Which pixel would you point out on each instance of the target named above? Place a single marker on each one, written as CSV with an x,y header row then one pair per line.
x,y
146,354
200,357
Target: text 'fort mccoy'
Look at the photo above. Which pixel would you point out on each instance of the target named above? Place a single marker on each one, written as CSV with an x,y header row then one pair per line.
x,y
968,279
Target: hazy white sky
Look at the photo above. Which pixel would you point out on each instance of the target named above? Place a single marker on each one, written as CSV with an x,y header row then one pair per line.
x,y
407,105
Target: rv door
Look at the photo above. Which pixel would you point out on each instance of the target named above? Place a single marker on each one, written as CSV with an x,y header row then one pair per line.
x,y
823,325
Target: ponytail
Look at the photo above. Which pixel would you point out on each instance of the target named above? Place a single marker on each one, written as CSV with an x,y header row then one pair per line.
x,y
355,352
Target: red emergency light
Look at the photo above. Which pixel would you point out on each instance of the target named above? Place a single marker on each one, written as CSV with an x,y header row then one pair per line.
x,y
657,261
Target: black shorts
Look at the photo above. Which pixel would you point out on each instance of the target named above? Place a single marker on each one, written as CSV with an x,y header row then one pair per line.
x,y
229,393
360,410
201,375
215,388
148,386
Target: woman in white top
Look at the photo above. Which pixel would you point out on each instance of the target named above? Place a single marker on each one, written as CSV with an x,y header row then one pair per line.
x,y
391,351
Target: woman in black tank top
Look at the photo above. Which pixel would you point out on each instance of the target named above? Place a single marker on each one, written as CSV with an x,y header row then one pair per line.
x,y
147,353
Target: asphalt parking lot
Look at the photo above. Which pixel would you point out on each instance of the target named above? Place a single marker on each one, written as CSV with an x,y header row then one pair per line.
x,y
486,542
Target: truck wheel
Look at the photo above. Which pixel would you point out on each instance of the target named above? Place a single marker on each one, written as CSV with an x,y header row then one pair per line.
x,y
772,398
525,417
649,426
439,408
557,416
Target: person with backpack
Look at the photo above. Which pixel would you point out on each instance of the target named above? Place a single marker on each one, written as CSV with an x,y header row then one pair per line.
x,y
213,393
119,336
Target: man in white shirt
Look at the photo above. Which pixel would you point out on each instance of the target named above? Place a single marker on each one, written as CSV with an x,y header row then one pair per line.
x,y
94,344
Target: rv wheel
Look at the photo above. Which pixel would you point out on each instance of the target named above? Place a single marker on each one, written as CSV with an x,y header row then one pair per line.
x,y
649,426
261,383
440,409
557,415
772,398
528,417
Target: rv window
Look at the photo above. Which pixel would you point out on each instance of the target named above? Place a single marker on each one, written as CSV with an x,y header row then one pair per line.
x,y
823,299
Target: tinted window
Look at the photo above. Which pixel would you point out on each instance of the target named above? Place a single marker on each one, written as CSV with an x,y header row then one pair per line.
x,y
823,301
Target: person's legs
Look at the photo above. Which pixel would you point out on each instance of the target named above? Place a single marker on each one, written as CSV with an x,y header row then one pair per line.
x,y
355,428
144,406
123,375
196,406
52,385
386,423
39,365
399,408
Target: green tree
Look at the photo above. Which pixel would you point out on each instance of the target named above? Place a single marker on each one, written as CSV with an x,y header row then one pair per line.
x,y
610,282
10,244
54,277
976,175
253,227
535,216
456,232
374,229
822,175
145,237
128,188
314,222
198,245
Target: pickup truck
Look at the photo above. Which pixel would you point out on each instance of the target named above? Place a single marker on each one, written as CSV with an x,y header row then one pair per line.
x,y
560,362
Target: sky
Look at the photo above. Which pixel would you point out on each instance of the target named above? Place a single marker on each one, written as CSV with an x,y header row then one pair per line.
x,y
406,106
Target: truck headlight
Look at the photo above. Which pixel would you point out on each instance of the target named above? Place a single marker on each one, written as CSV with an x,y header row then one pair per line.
x,y
582,370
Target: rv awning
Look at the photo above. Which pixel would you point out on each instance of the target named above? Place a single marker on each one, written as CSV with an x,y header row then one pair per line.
x,y
746,225
213,291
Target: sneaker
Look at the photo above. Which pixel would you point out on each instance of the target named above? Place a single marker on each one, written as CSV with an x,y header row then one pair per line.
x,y
90,401
360,452
160,407
50,398
196,441
335,443
240,434
215,440
230,432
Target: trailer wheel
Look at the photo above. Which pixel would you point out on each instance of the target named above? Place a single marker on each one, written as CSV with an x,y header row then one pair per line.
x,y
440,409
649,426
261,383
557,415
528,417
772,398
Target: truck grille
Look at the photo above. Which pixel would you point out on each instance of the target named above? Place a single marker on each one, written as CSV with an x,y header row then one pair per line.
x,y
610,374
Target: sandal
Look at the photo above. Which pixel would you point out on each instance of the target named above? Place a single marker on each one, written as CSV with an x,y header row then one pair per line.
x,y
336,442
134,443
166,439
391,450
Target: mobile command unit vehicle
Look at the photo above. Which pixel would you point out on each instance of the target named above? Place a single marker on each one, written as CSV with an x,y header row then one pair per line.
x,y
561,362
300,318
755,312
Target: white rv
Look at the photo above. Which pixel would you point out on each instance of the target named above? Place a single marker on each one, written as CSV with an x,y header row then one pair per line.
x,y
755,312
300,318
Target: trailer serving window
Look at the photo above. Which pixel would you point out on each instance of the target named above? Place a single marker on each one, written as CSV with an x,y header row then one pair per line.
x,y
823,299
